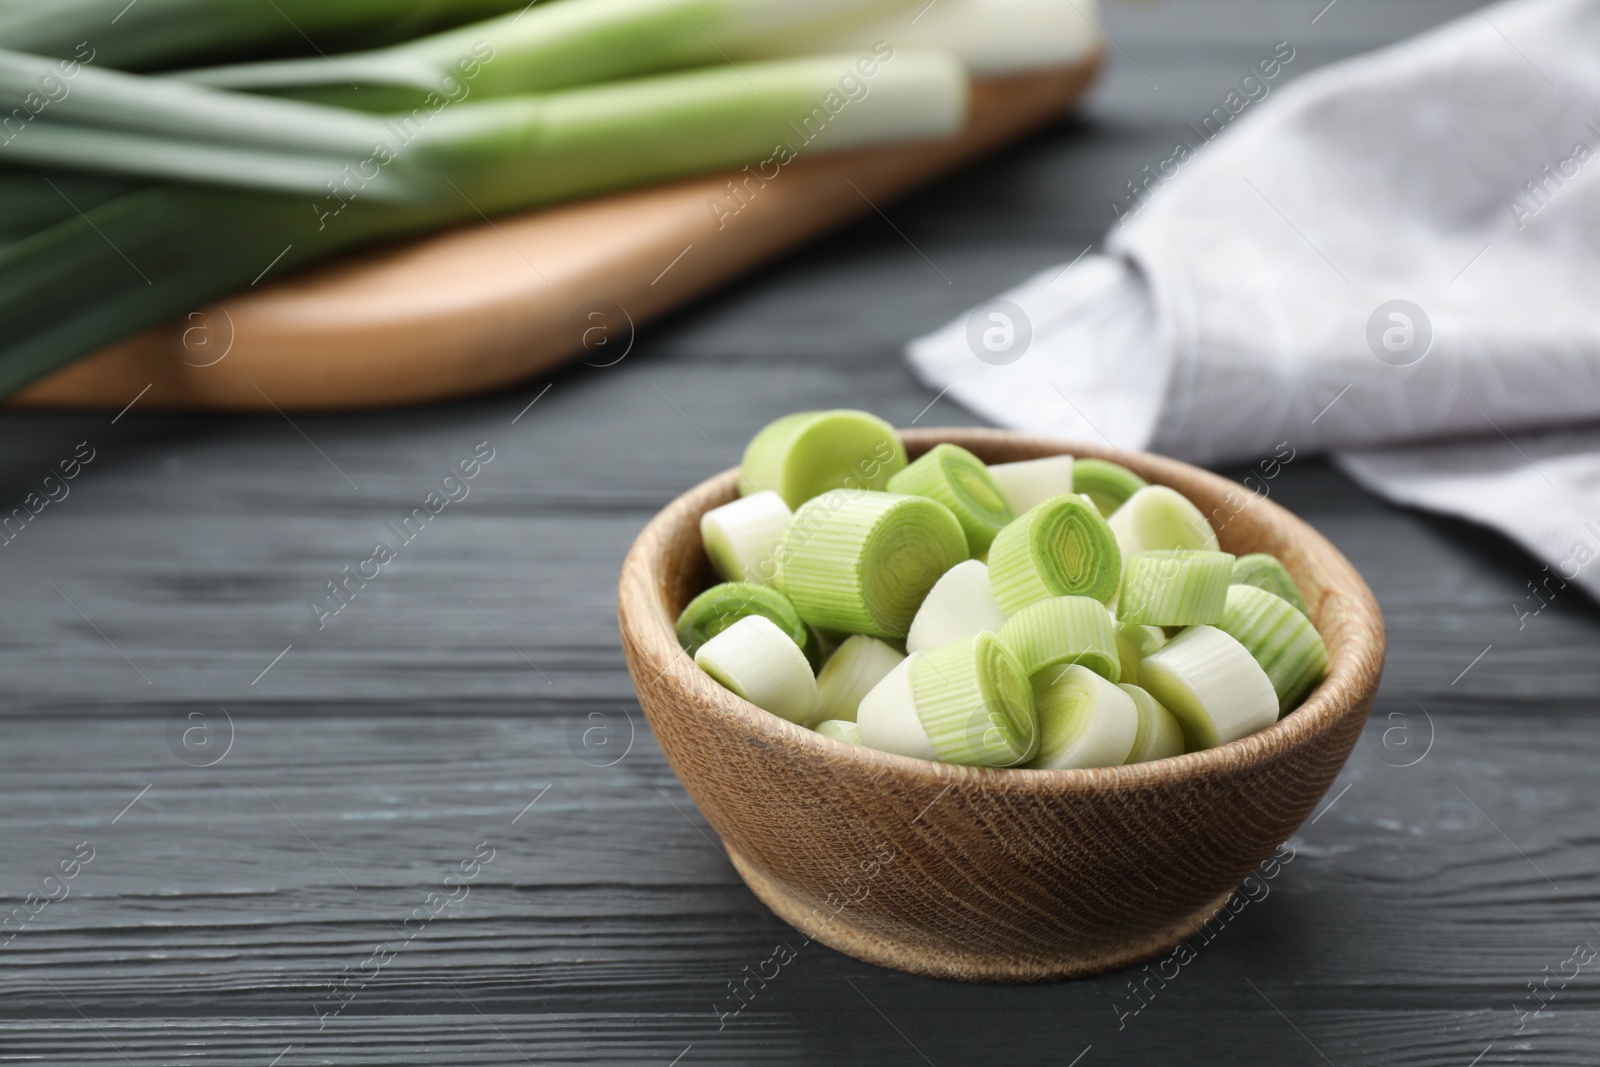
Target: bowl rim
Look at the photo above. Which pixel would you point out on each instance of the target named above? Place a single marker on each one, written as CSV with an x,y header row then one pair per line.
x,y
1355,639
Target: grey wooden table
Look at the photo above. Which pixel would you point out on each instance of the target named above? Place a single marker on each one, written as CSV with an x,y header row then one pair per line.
x,y
261,816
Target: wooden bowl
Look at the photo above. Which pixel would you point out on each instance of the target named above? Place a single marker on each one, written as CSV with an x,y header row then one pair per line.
x,y
997,875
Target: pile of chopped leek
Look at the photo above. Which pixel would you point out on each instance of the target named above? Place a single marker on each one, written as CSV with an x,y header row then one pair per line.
x,y
156,156
1052,613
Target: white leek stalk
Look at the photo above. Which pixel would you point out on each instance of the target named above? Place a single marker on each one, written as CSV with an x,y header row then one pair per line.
x,y
840,730
1134,643
1106,484
1084,720
741,537
1156,518
1062,631
1212,685
1264,571
804,455
1159,735
759,662
862,562
1174,587
958,480
1032,481
960,604
855,667
1280,638
1061,547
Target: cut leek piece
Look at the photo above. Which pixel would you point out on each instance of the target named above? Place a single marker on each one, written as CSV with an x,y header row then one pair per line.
x,y
741,537
1212,685
1106,484
719,607
1084,720
759,662
958,480
862,562
1134,643
1175,587
1281,639
1061,547
1264,571
887,719
960,604
1032,481
1157,518
1159,734
804,455
974,703
855,667
840,730
1062,631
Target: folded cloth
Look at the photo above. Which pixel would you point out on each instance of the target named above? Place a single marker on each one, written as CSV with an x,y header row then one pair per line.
x,y
1400,248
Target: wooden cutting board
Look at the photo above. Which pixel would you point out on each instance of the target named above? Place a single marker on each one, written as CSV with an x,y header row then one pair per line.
x,y
478,308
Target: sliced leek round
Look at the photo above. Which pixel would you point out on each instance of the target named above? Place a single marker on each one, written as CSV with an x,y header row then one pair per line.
x,y
1212,685
1106,484
974,703
856,666
958,480
960,604
719,607
1062,631
1061,547
1174,587
1084,720
741,538
1157,517
1159,735
1281,639
1264,571
804,455
759,662
887,719
862,562
839,730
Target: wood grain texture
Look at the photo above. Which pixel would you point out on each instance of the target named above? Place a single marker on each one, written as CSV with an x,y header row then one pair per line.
x,y
479,308
997,875
1404,932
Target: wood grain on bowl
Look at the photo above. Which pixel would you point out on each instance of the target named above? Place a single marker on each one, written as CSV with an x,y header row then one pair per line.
x,y
1008,875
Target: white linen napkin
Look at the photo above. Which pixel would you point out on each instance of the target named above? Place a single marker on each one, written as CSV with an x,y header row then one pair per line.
x,y
1392,252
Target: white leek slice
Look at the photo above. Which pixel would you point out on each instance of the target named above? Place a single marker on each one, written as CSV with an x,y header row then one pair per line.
x,y
992,37
1212,685
1061,631
974,703
741,537
1280,638
1106,484
804,455
959,605
1032,481
1061,547
862,562
1156,518
719,607
1174,587
1265,571
851,673
887,719
759,662
840,730
1159,734
1084,720
1135,641
958,480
